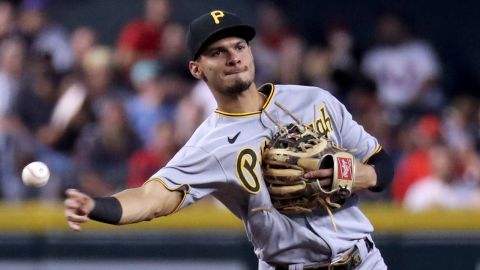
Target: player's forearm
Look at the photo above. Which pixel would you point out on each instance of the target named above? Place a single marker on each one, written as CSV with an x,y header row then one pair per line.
x,y
365,176
376,174
136,204
140,204
383,165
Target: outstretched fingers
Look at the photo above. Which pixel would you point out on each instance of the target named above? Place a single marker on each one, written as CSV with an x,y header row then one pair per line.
x,y
76,210
74,220
323,175
74,226
75,194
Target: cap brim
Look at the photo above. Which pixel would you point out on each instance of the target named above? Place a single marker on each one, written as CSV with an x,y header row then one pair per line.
x,y
244,31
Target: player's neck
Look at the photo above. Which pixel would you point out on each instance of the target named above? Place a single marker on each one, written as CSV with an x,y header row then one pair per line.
x,y
248,101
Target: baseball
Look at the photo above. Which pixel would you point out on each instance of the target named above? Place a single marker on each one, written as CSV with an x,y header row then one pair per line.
x,y
35,174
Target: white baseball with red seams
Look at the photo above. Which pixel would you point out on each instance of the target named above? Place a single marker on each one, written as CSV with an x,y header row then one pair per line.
x,y
35,174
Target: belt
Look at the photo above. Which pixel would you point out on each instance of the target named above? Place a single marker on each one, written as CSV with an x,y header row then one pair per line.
x,y
349,261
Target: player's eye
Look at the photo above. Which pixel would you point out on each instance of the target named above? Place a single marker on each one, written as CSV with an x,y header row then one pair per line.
x,y
241,46
216,53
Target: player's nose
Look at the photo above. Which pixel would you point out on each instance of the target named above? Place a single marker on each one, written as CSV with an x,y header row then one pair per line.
x,y
234,58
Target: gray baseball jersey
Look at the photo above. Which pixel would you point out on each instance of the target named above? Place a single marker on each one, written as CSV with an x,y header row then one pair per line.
x,y
223,159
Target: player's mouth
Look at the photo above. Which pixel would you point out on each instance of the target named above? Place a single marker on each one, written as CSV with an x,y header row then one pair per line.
x,y
235,71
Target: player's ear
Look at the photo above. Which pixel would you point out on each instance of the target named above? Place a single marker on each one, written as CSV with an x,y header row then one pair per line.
x,y
195,70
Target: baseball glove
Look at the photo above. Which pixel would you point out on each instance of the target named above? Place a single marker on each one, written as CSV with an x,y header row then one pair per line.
x,y
294,150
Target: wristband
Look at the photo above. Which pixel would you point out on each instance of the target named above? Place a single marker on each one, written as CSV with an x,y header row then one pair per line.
x,y
383,165
107,210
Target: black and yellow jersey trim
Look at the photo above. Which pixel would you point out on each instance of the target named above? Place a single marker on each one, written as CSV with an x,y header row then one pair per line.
x,y
378,149
186,190
267,89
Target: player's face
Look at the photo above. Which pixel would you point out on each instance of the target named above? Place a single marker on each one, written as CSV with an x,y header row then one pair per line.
x,y
226,65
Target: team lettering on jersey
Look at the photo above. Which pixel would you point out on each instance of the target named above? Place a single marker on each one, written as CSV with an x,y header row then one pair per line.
x,y
247,161
322,123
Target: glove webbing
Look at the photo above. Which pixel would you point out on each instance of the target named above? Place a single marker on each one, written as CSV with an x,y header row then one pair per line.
x,y
303,145
324,203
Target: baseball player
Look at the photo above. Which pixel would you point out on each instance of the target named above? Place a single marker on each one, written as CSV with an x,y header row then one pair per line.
x,y
223,159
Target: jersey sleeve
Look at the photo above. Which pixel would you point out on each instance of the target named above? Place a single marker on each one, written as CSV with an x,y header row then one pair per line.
x,y
352,135
194,171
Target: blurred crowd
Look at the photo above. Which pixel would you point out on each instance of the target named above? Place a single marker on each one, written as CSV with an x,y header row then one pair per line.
x,y
106,117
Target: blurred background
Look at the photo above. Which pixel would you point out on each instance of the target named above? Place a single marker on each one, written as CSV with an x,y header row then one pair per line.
x,y
100,92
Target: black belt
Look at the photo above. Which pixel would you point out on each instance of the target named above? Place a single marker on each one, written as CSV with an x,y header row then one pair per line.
x,y
348,262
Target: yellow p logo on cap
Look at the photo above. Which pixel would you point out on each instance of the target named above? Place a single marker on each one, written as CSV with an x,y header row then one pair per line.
x,y
216,15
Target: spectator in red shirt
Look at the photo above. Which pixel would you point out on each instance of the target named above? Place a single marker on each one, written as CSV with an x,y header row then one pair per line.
x,y
145,162
416,164
141,38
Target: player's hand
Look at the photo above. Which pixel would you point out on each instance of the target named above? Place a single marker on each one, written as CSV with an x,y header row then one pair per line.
x,y
323,175
77,207
365,176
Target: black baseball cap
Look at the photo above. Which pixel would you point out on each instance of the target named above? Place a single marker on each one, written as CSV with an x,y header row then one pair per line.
x,y
213,26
